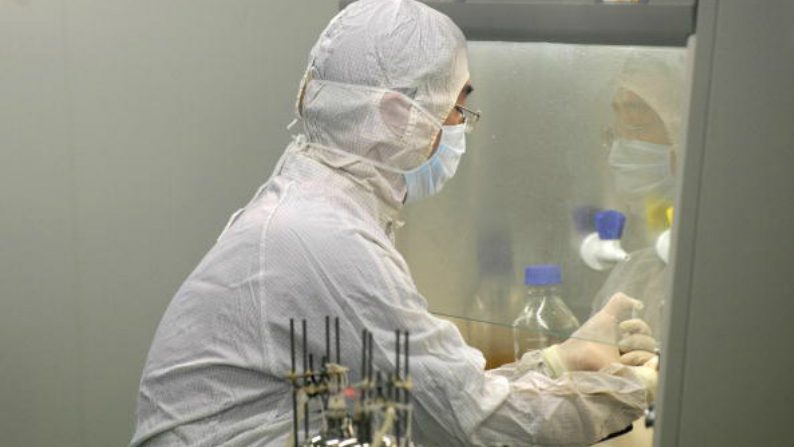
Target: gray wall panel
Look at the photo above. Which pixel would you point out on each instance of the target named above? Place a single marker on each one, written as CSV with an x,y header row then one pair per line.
x,y
129,132
735,369
656,22
738,387
39,312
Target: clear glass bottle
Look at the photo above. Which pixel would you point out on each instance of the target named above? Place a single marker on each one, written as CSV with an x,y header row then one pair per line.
x,y
545,319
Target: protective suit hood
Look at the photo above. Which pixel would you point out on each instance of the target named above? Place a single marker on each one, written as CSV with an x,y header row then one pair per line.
x,y
381,79
659,81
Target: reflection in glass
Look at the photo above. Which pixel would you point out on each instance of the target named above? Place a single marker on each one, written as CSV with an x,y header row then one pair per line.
x,y
566,131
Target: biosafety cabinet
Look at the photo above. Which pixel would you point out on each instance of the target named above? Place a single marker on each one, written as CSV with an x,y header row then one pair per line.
x,y
643,147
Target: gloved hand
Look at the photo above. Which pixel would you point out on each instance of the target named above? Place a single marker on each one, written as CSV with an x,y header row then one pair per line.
x,y
594,345
637,346
648,373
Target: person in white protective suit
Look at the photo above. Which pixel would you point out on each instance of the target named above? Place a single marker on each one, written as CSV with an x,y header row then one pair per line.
x,y
380,124
647,110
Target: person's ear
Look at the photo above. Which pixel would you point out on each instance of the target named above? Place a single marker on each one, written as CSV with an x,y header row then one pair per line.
x,y
395,111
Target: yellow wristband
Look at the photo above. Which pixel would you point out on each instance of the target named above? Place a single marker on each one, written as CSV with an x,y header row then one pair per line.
x,y
551,356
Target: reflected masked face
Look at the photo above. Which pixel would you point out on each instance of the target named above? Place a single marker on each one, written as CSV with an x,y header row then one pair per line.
x,y
640,154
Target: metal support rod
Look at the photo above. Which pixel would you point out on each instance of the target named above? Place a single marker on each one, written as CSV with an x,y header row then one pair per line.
x,y
407,392
327,338
306,421
336,326
363,422
407,375
396,398
407,352
397,355
292,344
292,379
323,379
363,354
305,379
305,349
369,356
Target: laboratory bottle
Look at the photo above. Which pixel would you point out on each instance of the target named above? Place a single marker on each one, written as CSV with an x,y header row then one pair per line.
x,y
495,300
545,319
489,326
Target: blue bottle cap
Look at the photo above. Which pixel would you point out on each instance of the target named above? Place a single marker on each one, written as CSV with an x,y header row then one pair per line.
x,y
609,224
542,275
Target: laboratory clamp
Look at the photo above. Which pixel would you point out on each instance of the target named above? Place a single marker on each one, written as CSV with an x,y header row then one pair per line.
x,y
327,410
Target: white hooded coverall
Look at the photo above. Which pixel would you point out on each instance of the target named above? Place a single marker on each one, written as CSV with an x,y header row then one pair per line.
x,y
317,240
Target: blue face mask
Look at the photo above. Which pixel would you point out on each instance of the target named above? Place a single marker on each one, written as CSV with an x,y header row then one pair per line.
x,y
430,176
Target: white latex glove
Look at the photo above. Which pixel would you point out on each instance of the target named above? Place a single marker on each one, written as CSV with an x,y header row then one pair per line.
x,y
648,373
594,345
637,346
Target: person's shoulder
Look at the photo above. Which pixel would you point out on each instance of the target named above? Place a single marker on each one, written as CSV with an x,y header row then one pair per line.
x,y
315,214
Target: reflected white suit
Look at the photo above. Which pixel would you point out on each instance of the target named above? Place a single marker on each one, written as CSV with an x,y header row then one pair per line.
x,y
317,240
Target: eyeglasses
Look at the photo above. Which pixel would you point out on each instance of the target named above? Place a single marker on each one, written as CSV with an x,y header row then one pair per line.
x,y
470,117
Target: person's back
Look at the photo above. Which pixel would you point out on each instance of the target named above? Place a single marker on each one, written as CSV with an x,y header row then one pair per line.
x,y
216,372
